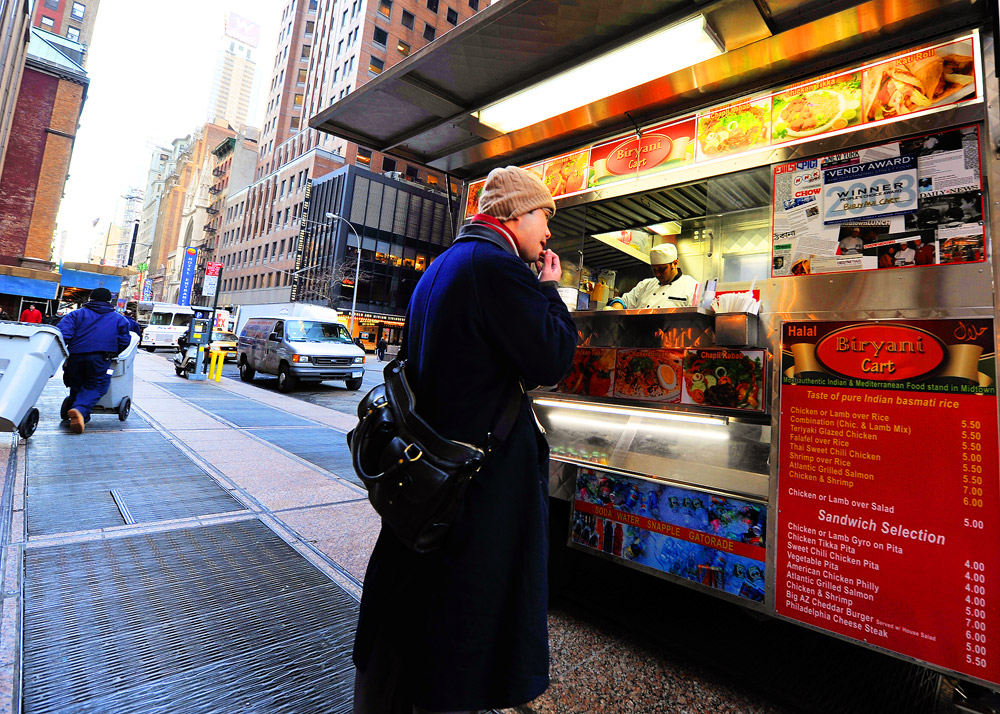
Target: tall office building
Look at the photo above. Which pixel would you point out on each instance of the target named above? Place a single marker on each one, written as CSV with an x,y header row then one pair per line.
x,y
73,19
232,85
325,49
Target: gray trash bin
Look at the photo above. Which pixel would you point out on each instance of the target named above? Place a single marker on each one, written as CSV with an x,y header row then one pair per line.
x,y
29,355
118,398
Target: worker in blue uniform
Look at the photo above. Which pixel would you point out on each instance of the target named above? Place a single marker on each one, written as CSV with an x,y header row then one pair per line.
x,y
94,335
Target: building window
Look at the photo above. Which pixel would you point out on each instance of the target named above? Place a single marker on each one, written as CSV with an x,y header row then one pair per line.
x,y
432,179
452,16
298,100
340,47
375,65
385,8
303,73
336,73
429,33
411,173
432,5
52,4
474,4
388,164
306,51
48,23
407,20
364,157
73,34
294,124
404,49
78,10
310,27
313,5
380,37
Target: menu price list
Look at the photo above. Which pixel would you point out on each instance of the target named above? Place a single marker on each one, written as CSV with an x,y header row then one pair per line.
x,y
888,521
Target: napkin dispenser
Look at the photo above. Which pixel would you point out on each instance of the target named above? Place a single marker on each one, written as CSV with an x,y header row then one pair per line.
x,y
737,329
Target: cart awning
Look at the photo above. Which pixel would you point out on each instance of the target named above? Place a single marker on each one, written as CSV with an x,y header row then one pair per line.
x,y
423,109
90,281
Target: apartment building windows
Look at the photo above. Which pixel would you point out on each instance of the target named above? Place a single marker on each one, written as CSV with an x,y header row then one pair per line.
x,y
388,164
411,173
375,65
404,48
52,4
78,11
380,37
343,22
306,51
313,5
364,157
303,73
310,28
340,47
48,23
385,8
407,20
73,34
429,33
298,100
474,4
432,5
452,16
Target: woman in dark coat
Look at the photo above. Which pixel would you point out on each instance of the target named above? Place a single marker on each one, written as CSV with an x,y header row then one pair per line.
x,y
464,628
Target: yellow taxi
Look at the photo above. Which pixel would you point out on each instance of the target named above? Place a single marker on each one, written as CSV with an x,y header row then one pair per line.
x,y
224,342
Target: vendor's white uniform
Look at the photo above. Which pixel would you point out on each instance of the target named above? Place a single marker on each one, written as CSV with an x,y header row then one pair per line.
x,y
649,293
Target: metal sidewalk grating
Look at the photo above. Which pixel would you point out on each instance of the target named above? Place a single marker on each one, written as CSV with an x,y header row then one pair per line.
x,y
323,446
223,618
70,479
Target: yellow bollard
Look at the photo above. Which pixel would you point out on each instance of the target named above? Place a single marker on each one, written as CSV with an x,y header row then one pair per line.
x,y
215,368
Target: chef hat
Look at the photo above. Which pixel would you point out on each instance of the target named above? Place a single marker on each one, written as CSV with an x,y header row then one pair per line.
x,y
663,254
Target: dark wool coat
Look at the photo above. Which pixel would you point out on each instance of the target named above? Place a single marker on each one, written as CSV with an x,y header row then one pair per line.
x,y
469,620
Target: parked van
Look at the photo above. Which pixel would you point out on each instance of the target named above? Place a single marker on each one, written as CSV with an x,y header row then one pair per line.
x,y
299,350
162,323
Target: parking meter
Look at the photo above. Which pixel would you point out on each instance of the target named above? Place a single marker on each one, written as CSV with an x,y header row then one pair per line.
x,y
200,333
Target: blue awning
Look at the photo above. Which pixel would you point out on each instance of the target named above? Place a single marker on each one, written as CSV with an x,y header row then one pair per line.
x,y
90,281
29,287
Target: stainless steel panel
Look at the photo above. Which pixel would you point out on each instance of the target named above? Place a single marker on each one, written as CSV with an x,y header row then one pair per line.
x,y
727,458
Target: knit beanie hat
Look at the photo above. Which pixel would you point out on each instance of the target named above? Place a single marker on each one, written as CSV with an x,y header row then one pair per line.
x,y
511,192
101,295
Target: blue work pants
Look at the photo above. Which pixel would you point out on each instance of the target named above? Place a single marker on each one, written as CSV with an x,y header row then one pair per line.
x,y
86,375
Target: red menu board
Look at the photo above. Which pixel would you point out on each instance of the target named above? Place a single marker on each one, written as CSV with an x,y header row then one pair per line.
x,y
888,496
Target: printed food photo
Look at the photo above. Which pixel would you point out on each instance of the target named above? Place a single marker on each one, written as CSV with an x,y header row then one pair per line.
x,y
922,80
592,373
653,374
724,378
817,108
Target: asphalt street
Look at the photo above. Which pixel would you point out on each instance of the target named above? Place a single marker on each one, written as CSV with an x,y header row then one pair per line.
x,y
333,395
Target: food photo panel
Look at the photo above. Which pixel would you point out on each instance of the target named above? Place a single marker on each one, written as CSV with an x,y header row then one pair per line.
x,y
649,374
733,379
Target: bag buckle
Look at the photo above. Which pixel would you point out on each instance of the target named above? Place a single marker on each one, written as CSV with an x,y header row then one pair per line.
x,y
383,402
412,457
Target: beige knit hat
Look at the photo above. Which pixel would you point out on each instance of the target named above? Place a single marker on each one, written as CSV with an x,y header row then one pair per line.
x,y
511,192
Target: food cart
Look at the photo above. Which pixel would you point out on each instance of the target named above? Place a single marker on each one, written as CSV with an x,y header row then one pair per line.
x,y
821,460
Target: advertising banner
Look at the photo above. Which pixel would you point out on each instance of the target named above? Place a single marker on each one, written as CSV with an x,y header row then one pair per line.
x,y
715,541
211,282
904,204
187,275
888,493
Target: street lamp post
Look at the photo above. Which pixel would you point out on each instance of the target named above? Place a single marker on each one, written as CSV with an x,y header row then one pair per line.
x,y
357,265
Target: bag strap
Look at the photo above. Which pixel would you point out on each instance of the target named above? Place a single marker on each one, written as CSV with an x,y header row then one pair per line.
x,y
501,430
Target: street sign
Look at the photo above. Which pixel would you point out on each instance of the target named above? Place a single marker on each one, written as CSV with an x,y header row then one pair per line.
x,y
187,275
211,283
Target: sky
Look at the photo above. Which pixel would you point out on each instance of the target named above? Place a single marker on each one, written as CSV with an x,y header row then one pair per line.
x,y
150,66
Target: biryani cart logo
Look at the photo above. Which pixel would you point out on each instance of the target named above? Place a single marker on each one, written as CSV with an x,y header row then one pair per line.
x,y
639,154
883,352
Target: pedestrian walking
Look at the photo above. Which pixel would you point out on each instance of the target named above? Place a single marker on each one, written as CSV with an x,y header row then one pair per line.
x,y
380,348
94,334
464,628
31,314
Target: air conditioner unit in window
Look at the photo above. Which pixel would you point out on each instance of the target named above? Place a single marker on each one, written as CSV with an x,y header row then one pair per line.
x,y
398,175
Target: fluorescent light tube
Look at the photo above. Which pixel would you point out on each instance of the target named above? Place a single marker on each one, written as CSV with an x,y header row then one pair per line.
x,y
644,413
656,55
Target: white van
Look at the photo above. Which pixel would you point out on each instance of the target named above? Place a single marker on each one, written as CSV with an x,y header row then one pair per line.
x,y
299,350
162,323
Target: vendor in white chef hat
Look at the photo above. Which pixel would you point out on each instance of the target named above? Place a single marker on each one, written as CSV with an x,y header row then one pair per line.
x,y
668,287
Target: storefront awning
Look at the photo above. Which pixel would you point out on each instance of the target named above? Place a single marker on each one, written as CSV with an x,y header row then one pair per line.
x,y
29,287
422,109
90,281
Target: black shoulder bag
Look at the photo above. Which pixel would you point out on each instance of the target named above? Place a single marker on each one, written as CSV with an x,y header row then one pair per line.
x,y
416,478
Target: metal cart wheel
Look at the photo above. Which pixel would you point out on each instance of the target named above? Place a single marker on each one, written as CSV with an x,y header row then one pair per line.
x,y
124,409
66,406
29,424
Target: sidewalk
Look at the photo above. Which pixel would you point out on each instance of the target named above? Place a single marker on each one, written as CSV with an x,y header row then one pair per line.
x,y
207,556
